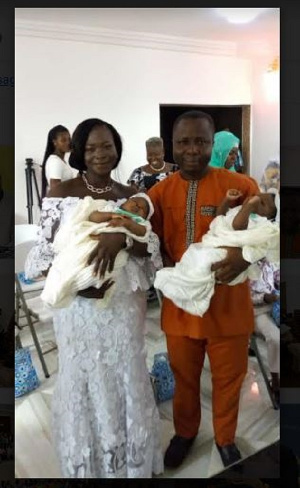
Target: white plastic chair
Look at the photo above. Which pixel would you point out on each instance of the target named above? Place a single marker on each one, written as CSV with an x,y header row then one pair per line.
x,y
32,307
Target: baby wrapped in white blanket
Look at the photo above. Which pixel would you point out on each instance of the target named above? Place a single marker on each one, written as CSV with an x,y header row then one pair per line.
x,y
251,226
73,245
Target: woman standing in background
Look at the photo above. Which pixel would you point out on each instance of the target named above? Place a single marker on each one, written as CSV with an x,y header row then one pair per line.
x,y
54,167
157,169
225,150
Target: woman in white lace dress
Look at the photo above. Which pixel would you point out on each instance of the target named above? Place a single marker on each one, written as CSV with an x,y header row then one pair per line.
x,y
105,421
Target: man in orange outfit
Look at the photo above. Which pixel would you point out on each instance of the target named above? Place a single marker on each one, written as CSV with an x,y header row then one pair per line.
x,y
185,203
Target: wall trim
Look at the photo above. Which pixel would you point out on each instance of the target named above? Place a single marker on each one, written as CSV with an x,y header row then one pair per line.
x,y
76,33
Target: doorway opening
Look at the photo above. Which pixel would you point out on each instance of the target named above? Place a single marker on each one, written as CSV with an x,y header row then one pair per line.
x,y
235,118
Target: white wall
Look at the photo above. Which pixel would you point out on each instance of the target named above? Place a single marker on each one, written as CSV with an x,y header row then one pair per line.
x,y
265,119
64,82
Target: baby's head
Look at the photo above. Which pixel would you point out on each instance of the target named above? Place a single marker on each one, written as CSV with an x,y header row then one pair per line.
x,y
267,207
139,204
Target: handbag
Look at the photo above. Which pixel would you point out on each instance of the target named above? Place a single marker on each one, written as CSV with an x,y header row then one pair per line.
x,y
163,381
26,378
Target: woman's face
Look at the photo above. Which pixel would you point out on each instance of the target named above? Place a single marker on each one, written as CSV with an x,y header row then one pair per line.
x,y
155,156
231,158
100,154
62,142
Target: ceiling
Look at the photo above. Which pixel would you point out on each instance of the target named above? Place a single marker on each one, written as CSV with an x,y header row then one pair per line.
x,y
261,36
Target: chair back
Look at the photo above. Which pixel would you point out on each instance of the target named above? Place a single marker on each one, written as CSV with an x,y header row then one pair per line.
x,y
26,236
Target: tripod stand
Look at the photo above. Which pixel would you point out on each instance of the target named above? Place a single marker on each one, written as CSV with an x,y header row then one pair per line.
x,y
30,175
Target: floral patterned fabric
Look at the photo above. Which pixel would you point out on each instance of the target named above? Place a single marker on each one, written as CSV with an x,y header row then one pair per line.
x,y
105,421
144,181
269,281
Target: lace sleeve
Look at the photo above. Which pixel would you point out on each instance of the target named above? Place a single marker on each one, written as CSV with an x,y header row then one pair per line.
x,y
153,249
141,271
41,255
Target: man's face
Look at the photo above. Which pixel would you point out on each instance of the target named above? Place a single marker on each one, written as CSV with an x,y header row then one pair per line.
x,y
192,146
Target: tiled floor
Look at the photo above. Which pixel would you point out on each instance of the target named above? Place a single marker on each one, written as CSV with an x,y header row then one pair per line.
x,y
258,424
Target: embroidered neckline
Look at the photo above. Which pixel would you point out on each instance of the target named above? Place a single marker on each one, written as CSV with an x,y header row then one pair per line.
x,y
190,211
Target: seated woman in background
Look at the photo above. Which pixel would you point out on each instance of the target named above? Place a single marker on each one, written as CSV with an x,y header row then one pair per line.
x,y
264,294
225,150
271,176
54,167
144,177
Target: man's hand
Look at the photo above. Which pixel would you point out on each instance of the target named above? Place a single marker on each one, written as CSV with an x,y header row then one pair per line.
x,y
92,292
230,267
271,297
105,253
167,261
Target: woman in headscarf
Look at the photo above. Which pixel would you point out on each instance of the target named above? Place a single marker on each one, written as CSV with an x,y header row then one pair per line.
x,y
225,150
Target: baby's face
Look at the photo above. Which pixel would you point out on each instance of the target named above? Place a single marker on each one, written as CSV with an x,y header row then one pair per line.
x,y
137,205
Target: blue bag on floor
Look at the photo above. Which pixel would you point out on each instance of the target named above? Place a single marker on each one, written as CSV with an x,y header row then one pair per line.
x,y
26,378
164,383
24,280
275,312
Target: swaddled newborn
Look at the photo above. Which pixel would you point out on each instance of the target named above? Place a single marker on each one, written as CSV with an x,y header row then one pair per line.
x,y
252,226
75,241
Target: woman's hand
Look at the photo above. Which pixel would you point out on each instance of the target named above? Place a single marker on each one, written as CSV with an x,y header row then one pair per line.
x,y
105,253
96,292
231,266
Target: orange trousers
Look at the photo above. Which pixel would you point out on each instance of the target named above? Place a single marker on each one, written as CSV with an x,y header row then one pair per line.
x,y
228,357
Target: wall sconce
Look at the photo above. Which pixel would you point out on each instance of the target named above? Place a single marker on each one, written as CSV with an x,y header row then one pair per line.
x,y
271,81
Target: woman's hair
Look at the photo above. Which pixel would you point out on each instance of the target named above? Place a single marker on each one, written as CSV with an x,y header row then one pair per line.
x,y
155,142
50,149
194,114
80,137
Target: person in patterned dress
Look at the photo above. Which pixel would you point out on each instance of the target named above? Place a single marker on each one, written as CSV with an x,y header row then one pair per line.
x,y
105,420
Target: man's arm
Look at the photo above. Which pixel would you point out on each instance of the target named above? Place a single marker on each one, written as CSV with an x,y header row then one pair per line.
x,y
234,263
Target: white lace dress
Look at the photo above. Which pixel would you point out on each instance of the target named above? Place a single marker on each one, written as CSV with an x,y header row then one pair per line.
x,y
105,421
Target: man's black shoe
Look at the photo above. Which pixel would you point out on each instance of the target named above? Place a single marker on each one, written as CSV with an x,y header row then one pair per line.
x,y
177,451
229,454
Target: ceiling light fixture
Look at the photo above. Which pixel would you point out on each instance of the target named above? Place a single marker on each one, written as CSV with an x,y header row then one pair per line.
x,y
240,15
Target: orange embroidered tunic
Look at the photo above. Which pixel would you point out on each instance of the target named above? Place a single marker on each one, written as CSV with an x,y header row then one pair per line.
x,y
183,211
